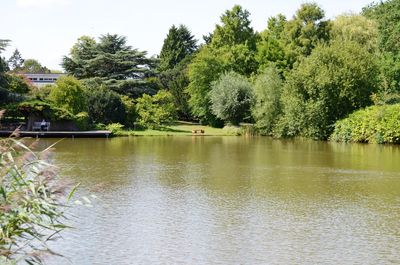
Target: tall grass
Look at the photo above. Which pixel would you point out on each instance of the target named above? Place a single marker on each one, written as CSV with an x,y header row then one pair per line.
x,y
32,202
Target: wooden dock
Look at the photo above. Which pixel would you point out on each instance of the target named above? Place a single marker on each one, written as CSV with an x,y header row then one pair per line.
x,y
59,134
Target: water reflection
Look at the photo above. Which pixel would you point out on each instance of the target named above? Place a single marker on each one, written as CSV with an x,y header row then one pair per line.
x,y
231,200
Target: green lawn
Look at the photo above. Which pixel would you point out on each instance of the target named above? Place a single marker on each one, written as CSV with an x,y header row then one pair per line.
x,y
183,129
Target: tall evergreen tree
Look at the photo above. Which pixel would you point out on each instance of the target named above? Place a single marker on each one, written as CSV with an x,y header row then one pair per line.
x,y
111,60
15,62
178,44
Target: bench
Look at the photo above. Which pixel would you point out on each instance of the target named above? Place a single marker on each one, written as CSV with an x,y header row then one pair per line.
x,y
197,131
37,126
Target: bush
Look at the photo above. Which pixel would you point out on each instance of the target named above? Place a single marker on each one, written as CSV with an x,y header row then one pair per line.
x,y
69,93
231,98
82,120
105,106
153,111
115,128
335,80
376,124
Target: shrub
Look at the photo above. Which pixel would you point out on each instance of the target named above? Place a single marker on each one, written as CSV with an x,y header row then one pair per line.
x,y
153,111
69,93
115,128
105,105
376,124
82,120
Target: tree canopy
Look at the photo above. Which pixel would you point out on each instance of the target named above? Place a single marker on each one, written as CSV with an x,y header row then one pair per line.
x,y
113,61
178,44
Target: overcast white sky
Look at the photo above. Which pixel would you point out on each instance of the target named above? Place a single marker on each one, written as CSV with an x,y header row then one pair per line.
x,y
46,29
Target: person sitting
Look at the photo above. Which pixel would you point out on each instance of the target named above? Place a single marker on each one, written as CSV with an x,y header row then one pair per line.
x,y
43,125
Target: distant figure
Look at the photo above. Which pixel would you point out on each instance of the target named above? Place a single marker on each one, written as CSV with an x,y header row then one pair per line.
x,y
43,125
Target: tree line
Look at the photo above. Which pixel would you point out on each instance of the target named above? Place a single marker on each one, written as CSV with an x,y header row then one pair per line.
x,y
298,77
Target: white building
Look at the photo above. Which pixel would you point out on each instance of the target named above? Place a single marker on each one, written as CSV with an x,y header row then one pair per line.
x,y
40,80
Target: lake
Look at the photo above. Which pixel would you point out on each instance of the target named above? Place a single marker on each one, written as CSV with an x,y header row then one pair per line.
x,y
230,200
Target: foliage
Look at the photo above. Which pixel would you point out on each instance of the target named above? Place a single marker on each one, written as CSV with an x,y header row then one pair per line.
x,y
31,203
267,106
387,14
130,111
117,64
176,80
46,110
235,29
3,80
15,62
375,124
232,47
69,93
204,69
326,86
153,111
105,106
18,84
178,44
115,128
356,28
389,65
41,93
81,120
270,49
304,32
32,66
231,97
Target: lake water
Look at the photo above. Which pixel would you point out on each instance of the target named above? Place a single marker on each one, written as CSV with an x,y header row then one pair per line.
x,y
230,200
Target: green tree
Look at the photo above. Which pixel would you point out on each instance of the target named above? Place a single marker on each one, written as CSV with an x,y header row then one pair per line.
x,y
15,62
269,47
356,28
176,80
204,69
3,77
267,104
235,29
332,82
306,30
18,84
231,47
70,94
153,111
231,97
116,64
176,54
387,14
105,106
178,44
32,66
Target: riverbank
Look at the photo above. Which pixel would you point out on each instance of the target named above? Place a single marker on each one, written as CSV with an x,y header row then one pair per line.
x,y
183,130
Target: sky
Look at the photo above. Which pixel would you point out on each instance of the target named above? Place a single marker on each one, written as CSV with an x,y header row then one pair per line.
x,y
47,29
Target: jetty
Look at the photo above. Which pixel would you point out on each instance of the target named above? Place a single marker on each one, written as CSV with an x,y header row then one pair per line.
x,y
59,134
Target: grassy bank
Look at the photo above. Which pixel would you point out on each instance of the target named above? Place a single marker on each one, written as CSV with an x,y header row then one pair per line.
x,y
182,129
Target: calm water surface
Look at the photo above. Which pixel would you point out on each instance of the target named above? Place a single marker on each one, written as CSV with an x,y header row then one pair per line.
x,y
230,200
